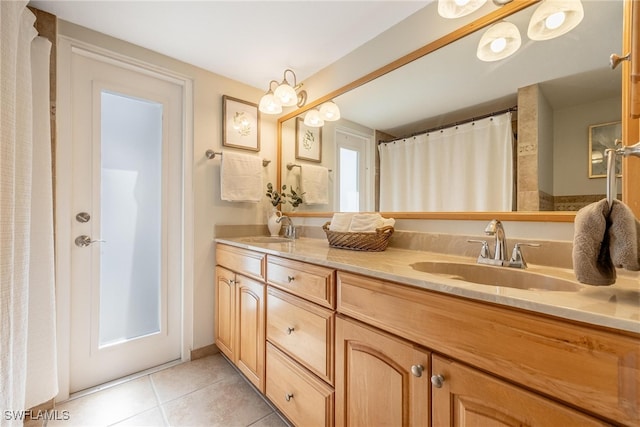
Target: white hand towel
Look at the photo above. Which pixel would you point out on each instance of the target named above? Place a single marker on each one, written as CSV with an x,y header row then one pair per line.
x,y
240,177
341,222
365,223
315,184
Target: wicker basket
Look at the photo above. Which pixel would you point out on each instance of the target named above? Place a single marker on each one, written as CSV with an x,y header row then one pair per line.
x,y
371,242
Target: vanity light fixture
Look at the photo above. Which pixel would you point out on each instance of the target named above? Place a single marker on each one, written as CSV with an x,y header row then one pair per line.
x,y
554,18
285,95
329,111
313,118
456,8
498,42
269,104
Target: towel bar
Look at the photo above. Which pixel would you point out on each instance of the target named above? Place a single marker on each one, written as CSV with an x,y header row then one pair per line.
x,y
610,153
212,155
293,165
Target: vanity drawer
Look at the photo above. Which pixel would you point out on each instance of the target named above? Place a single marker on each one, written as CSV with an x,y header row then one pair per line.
x,y
241,260
302,398
315,283
591,368
302,330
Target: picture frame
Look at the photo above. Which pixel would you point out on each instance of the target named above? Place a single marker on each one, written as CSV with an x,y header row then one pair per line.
x,y
240,124
308,142
601,137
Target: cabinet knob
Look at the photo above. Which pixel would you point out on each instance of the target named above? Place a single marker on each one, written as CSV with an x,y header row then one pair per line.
x,y
437,381
290,329
290,279
416,370
289,396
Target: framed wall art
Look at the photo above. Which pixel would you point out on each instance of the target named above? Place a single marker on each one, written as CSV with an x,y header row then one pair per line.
x,y
240,124
602,137
308,142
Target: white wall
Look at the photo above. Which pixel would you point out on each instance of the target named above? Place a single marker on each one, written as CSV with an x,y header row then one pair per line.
x,y
209,209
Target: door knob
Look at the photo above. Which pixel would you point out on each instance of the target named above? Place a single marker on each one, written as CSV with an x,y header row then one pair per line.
x,y
84,241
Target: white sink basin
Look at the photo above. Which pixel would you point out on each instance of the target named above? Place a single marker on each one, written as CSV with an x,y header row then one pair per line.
x,y
265,239
497,276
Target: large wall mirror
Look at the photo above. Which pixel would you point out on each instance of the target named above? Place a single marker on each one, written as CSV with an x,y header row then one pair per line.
x,y
574,89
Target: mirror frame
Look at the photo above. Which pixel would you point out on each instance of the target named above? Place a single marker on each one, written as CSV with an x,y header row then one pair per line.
x,y
484,21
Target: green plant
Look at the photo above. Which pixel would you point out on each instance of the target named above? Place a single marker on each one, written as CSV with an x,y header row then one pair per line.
x,y
282,197
296,199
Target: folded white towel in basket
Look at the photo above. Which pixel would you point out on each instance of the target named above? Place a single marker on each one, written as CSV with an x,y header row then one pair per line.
x,y
341,222
367,222
314,181
240,177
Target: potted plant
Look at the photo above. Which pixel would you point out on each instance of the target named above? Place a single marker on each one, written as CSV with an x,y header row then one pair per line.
x,y
278,198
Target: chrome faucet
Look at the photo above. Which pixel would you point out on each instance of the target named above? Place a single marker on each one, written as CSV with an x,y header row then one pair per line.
x,y
499,257
289,228
494,228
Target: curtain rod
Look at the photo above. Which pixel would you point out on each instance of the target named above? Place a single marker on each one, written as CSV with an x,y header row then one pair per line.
x,y
450,125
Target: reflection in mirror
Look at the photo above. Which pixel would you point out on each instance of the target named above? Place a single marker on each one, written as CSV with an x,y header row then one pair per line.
x,y
560,87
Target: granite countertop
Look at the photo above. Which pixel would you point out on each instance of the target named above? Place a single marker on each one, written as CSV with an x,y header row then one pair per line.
x,y
616,306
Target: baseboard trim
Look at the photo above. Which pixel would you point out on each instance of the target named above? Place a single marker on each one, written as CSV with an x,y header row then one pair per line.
x,y
206,351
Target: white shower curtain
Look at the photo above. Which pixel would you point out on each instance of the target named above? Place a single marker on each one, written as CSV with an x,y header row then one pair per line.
x,y
468,167
27,314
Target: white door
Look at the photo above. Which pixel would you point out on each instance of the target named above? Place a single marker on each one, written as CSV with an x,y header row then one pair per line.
x,y
126,226
352,186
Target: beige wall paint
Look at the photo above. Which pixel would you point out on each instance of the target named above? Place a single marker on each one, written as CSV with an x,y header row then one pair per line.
x,y
209,209
571,146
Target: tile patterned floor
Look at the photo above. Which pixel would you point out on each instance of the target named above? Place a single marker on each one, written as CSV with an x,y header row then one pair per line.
x,y
204,392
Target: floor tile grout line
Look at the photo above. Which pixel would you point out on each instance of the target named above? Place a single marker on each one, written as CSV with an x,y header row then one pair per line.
x,y
165,419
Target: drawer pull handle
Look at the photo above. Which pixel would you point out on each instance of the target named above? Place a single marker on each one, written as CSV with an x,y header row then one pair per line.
x,y
416,370
437,381
289,330
290,279
289,396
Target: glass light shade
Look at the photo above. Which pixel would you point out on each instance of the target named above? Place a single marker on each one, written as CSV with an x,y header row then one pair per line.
x,y
269,104
498,42
286,94
313,119
456,8
554,18
329,111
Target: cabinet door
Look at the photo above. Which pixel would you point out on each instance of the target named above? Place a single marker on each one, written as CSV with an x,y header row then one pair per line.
x,y
463,396
250,326
225,311
381,380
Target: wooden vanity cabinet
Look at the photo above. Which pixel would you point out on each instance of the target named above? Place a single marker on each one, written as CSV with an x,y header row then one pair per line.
x,y
300,340
381,379
240,310
566,364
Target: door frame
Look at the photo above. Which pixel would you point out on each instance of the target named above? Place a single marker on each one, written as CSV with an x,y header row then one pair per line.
x,y
63,195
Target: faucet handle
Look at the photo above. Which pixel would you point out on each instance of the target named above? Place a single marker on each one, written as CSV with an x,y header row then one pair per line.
x,y
517,259
485,252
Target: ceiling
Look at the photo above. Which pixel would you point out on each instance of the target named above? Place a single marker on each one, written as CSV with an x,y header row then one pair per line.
x,y
249,41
